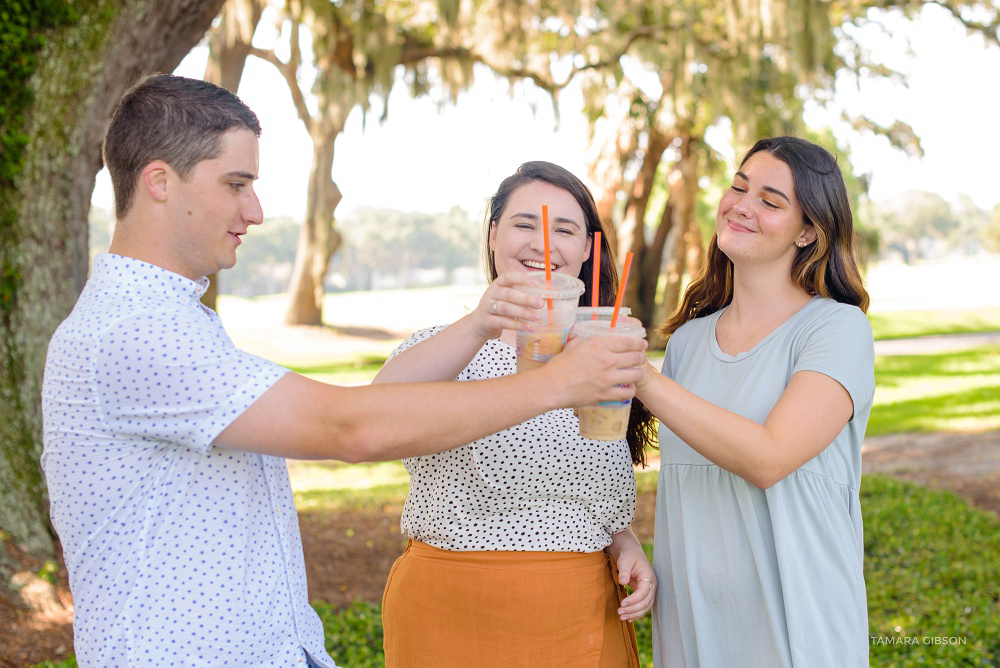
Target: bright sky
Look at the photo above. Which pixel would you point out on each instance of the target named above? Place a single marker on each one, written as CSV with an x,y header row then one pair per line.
x,y
429,159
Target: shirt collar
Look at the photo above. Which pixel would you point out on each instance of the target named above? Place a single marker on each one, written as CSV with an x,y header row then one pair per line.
x,y
143,276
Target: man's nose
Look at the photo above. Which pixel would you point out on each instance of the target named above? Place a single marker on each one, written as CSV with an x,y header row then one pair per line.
x,y
253,212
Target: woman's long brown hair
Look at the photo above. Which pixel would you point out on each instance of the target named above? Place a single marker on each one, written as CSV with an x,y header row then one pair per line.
x,y
827,267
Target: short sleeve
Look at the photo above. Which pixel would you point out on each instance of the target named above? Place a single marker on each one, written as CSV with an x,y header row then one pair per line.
x,y
415,338
668,368
841,346
176,378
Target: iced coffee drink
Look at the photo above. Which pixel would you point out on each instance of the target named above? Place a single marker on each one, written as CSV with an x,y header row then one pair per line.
x,y
539,341
606,421
536,347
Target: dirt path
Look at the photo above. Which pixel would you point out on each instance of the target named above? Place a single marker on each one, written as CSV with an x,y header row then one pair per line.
x,y
967,464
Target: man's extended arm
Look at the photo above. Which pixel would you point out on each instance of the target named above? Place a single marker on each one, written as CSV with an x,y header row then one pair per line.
x,y
305,419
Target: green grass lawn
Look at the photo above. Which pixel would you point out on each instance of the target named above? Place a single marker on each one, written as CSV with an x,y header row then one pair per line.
x,y
956,391
906,324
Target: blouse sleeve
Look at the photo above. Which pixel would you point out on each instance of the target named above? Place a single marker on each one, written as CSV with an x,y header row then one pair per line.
x,y
415,338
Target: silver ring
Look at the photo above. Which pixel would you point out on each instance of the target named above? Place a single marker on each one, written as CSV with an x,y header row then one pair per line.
x,y
647,580
493,308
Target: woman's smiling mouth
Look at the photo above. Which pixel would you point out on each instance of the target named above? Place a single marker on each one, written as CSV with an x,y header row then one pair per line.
x,y
532,264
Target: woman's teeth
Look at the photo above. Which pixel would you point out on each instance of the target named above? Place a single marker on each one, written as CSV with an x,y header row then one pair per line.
x,y
530,264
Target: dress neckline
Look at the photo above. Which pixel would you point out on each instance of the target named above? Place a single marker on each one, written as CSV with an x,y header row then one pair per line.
x,y
726,357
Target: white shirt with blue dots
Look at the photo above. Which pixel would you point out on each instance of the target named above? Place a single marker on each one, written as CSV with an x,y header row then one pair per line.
x,y
179,553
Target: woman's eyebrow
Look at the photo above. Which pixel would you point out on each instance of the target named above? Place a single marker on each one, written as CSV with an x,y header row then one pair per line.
x,y
767,188
535,217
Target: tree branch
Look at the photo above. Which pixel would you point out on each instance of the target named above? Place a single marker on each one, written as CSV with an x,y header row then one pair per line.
x,y
288,72
989,31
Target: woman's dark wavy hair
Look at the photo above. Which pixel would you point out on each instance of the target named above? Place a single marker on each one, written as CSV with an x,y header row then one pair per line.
x,y
642,425
827,267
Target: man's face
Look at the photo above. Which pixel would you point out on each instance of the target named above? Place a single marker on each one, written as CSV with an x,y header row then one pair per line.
x,y
215,206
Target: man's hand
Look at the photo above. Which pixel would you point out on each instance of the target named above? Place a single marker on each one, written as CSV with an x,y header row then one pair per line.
x,y
601,369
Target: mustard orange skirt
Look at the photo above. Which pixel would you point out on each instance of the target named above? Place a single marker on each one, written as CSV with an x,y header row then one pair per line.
x,y
505,610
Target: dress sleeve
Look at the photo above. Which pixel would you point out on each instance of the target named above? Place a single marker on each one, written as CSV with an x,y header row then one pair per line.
x,y
181,380
841,346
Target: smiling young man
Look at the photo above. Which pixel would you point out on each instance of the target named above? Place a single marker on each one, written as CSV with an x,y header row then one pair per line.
x,y
165,444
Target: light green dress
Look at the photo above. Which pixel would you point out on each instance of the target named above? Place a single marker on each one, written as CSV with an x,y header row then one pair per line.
x,y
764,578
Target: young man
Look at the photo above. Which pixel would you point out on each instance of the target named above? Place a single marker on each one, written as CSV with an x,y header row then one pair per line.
x,y
165,445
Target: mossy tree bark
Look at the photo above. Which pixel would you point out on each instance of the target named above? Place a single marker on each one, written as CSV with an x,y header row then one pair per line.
x,y
83,69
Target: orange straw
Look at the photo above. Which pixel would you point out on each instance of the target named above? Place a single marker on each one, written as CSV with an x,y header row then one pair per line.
x,y
595,283
548,267
621,289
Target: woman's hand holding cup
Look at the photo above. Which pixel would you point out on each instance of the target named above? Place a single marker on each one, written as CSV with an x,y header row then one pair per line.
x,y
503,306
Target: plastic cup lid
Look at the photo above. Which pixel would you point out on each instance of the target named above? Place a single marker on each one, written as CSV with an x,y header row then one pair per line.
x,y
563,286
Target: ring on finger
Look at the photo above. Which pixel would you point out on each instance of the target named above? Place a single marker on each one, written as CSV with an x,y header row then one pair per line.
x,y
647,580
493,308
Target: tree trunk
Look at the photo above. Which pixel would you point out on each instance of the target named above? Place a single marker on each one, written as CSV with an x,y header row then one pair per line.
x,y
632,236
684,196
228,48
82,71
318,239
651,268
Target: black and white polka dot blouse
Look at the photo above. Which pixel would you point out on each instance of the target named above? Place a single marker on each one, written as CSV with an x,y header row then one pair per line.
x,y
536,486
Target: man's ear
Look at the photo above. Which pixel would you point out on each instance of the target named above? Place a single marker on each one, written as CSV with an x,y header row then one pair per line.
x,y
154,180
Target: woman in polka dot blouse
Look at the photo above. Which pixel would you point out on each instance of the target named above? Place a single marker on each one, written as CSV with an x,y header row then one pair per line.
x,y
520,542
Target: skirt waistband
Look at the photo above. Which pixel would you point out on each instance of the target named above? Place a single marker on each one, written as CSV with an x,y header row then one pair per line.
x,y
508,559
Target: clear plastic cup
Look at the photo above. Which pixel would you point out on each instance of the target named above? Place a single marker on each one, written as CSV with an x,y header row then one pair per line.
x,y
602,312
543,339
606,420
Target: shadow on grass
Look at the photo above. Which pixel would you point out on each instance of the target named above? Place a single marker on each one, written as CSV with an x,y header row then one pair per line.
x,y
909,324
973,409
895,370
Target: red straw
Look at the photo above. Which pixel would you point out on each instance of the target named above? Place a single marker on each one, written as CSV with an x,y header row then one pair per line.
x,y
548,267
595,283
621,289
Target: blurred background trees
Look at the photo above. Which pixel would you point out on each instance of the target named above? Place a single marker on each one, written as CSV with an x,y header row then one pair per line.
x,y
655,78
